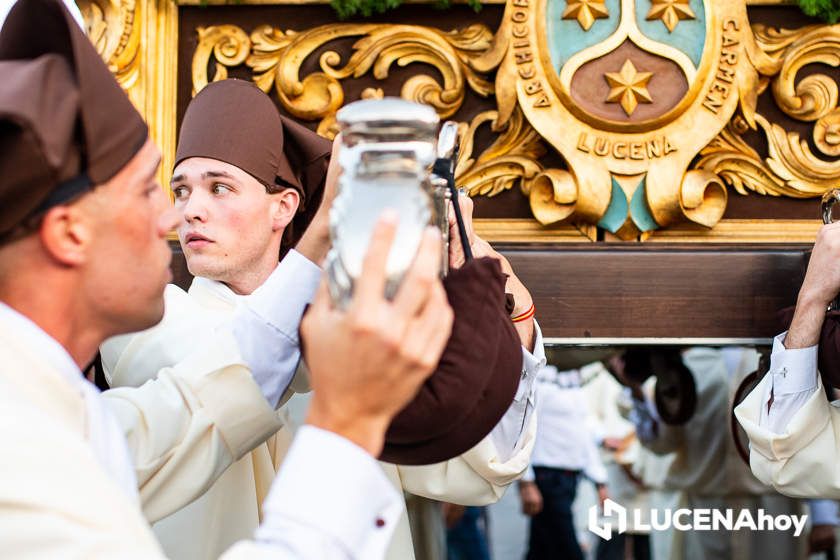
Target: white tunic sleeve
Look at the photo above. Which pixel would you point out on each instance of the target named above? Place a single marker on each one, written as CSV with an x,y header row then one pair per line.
x,y
798,453
185,427
266,324
507,435
330,500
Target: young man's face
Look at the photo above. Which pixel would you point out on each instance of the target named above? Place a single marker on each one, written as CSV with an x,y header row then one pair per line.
x,y
129,265
230,227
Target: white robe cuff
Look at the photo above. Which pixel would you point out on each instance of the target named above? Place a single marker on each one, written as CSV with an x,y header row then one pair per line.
x,y
507,434
793,378
331,492
266,324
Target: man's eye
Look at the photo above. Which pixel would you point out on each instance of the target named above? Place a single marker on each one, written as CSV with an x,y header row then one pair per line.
x,y
179,192
219,188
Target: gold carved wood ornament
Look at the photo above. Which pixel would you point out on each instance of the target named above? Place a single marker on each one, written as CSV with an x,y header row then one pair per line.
x,y
647,101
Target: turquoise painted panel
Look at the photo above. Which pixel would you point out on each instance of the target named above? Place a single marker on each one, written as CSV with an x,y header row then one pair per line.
x,y
688,36
566,37
639,210
616,213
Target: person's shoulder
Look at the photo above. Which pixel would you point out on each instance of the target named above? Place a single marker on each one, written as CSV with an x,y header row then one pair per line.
x,y
29,434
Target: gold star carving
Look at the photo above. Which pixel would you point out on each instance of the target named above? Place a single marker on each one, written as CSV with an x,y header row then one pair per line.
x,y
629,87
585,11
670,12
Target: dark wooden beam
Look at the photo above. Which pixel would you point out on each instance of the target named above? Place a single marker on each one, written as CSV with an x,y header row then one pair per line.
x,y
614,291
674,292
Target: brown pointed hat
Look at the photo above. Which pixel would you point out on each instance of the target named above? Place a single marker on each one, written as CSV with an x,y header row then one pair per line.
x,y
476,379
236,122
65,123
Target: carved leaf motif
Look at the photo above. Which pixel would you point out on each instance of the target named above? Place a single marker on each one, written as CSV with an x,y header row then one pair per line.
x,y
228,44
790,170
737,163
774,41
792,160
386,45
268,45
786,52
473,40
510,160
827,133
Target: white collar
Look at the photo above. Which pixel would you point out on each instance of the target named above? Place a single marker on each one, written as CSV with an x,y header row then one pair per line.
x,y
218,289
215,288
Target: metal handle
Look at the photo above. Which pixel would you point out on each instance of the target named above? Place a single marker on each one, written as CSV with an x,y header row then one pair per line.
x,y
829,199
448,141
444,168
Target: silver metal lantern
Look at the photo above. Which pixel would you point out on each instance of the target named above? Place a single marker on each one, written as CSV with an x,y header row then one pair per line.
x,y
387,152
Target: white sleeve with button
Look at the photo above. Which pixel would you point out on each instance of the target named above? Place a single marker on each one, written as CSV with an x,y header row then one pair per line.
x,y
793,379
266,324
331,500
506,435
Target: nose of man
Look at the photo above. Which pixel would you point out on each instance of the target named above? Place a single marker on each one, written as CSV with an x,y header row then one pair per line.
x,y
194,208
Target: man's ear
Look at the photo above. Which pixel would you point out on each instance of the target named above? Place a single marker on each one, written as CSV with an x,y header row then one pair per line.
x,y
284,207
66,235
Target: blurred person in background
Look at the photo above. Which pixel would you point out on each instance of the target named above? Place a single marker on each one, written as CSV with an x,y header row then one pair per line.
x,y
699,465
565,451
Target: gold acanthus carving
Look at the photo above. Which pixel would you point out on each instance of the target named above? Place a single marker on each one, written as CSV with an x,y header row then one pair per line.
x,y
276,57
791,169
463,58
814,96
827,133
228,44
512,158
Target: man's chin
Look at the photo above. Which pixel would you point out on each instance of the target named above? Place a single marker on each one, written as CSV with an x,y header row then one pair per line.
x,y
201,267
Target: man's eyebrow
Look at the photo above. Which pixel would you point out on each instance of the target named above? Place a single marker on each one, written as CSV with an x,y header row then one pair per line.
x,y
177,178
215,174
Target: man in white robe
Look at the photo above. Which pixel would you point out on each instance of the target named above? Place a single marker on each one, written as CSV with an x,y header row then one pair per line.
x,y
231,240
83,256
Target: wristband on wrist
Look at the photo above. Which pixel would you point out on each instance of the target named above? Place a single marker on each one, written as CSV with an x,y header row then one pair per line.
x,y
525,316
